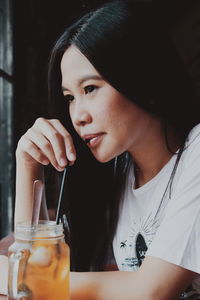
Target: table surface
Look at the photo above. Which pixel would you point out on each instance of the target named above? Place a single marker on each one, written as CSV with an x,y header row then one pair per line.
x,y
3,297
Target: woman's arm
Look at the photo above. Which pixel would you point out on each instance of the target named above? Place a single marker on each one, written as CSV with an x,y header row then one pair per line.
x,y
47,141
155,280
25,176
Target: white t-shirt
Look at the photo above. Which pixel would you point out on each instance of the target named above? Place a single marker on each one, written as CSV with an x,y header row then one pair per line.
x,y
156,222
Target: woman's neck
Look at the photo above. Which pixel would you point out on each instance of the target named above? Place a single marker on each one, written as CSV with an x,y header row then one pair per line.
x,y
153,154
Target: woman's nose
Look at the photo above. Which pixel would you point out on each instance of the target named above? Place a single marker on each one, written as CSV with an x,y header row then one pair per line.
x,y
80,116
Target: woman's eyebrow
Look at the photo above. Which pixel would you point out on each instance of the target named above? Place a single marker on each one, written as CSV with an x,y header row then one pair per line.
x,y
83,79
88,77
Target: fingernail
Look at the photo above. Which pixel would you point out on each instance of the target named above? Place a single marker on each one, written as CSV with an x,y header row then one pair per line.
x,y
72,156
63,162
60,169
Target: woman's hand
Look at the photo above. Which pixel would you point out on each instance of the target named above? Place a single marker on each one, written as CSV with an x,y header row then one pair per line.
x,y
47,141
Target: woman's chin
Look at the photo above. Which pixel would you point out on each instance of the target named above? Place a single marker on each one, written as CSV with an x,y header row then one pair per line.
x,y
103,157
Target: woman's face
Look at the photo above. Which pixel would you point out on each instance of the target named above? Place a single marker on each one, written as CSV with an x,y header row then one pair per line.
x,y
106,120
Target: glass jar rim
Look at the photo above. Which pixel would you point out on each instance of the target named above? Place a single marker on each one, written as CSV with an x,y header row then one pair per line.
x,y
42,225
45,228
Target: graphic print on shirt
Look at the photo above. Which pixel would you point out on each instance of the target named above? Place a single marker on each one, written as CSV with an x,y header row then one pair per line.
x,y
137,242
134,249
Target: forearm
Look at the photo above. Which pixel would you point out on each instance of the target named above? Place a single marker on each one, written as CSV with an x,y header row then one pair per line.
x,y
106,286
156,279
25,176
46,142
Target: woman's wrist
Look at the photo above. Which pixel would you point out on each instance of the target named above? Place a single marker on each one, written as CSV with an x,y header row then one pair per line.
x,y
21,161
26,174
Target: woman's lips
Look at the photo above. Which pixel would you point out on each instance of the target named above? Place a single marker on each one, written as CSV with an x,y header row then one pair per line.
x,y
93,139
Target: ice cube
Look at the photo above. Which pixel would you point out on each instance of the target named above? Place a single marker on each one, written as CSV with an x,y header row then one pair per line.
x,y
24,292
41,256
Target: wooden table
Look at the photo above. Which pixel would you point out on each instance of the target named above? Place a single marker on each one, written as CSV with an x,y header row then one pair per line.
x,y
3,297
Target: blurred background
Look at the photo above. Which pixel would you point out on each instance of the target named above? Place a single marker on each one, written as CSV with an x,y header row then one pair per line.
x,y
28,29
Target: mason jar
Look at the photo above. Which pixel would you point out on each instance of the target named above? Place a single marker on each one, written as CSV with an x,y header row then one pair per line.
x,y
39,263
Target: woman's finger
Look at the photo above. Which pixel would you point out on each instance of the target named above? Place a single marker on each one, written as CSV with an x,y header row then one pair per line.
x,y
45,147
28,148
55,139
69,145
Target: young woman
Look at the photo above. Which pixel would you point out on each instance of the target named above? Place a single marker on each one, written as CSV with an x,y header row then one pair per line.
x,y
125,120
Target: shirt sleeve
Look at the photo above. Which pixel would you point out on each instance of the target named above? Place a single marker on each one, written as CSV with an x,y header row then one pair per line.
x,y
178,237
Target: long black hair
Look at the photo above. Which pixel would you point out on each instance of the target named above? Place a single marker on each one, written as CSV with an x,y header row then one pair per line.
x,y
130,47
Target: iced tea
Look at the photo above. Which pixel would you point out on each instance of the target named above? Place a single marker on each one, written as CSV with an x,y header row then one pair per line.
x,y
39,263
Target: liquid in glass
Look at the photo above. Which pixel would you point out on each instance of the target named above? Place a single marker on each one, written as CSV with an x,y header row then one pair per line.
x,y
39,263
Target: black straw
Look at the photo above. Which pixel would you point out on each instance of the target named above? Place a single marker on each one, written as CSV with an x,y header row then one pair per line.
x,y
60,195
66,229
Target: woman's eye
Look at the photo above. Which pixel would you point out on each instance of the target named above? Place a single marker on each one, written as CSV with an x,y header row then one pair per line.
x,y
69,98
89,88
